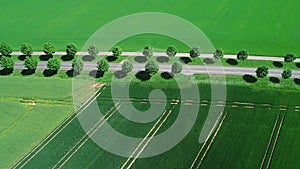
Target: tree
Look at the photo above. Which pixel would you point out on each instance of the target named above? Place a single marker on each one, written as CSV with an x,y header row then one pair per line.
x,y
5,49
53,64
147,52
26,49
30,63
93,50
195,52
242,55
71,49
287,73
262,71
289,58
77,65
117,51
49,49
103,65
176,67
127,66
7,62
218,54
151,67
171,50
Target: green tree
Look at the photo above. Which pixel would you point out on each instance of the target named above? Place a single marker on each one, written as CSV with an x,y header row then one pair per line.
x,y
287,73
127,66
195,52
289,58
218,54
30,63
71,49
171,50
262,71
53,64
147,52
117,51
49,49
103,65
5,49
242,55
176,67
77,65
7,62
26,49
93,50
151,67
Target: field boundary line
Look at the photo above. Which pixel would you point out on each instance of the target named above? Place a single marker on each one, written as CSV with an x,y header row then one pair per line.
x,y
88,137
86,134
269,144
58,129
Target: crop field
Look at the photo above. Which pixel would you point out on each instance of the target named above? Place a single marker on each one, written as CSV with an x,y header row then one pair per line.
x,y
231,25
247,135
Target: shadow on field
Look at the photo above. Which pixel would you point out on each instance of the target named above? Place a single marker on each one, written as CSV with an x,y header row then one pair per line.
x,y
208,61
96,73
49,73
45,57
22,57
111,58
67,57
26,72
232,62
167,75
140,59
88,58
297,81
5,72
298,65
142,75
277,64
249,78
185,60
72,73
120,74
275,80
162,59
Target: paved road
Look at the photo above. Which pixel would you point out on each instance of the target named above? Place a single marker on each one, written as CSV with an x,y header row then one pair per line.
x,y
187,69
164,54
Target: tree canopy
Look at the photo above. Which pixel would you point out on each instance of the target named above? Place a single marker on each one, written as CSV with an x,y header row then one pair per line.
x,y
53,64
262,71
26,49
147,52
30,63
77,65
218,54
93,50
117,51
242,55
71,49
195,52
151,67
103,65
49,48
5,49
171,50
127,66
176,67
7,62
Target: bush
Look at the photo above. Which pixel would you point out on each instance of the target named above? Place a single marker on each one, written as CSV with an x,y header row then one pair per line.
x,y
127,66
77,65
286,73
176,67
147,52
53,64
103,65
26,49
218,54
262,71
30,63
195,52
151,67
5,49
71,49
171,51
93,50
49,49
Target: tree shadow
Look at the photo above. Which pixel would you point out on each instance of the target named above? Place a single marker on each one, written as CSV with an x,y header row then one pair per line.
x,y
111,58
162,59
297,81
167,75
120,74
45,57
140,59
22,57
249,78
88,58
72,73
67,57
185,60
49,73
5,72
96,73
26,72
232,62
143,75
208,61
277,64
275,80
298,65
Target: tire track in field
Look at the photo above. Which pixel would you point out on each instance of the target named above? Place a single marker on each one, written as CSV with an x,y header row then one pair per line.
x,y
57,130
134,155
87,136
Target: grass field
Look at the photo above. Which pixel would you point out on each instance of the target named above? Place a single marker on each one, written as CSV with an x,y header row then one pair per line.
x,y
229,24
241,141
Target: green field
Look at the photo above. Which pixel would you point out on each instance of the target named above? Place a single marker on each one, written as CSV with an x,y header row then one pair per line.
x,y
232,25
